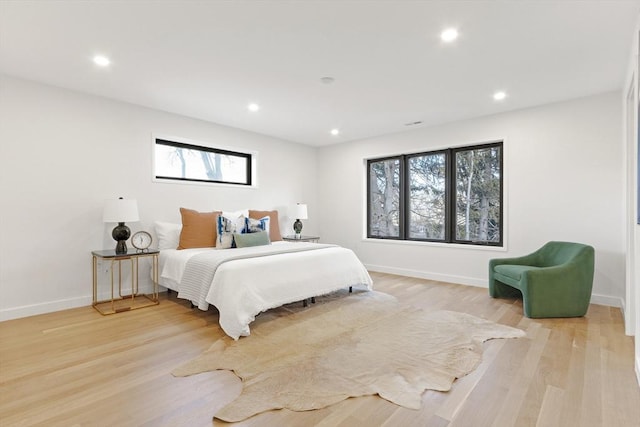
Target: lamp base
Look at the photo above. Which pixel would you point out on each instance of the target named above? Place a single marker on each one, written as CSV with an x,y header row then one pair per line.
x,y
297,227
121,247
120,234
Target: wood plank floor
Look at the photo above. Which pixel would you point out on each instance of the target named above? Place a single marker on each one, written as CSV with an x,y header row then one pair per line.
x,y
78,368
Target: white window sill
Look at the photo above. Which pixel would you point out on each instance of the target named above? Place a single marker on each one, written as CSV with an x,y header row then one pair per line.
x,y
437,244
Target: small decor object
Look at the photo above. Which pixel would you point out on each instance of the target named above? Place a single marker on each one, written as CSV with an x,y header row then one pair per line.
x,y
141,241
121,211
300,213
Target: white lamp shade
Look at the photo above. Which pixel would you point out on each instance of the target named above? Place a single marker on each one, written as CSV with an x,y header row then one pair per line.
x,y
300,211
120,210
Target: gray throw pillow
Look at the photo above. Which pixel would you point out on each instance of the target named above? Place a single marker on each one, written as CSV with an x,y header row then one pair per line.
x,y
251,239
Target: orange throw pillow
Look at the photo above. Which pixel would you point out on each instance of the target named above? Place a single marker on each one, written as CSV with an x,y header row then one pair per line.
x,y
274,225
198,229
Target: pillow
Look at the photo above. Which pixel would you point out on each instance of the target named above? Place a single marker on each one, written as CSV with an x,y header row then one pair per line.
x,y
274,225
226,227
257,225
245,240
198,229
235,214
168,234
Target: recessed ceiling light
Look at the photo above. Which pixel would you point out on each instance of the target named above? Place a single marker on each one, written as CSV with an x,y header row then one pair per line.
x,y
499,96
335,132
449,35
102,61
253,107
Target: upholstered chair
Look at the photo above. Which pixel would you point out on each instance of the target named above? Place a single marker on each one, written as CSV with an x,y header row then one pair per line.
x,y
554,281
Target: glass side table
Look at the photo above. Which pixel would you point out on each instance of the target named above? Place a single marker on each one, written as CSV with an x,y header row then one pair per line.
x,y
301,238
124,300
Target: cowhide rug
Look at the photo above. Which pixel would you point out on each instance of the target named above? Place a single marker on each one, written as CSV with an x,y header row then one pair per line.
x,y
352,345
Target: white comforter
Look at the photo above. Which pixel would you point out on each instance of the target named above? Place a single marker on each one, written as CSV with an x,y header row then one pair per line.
x,y
242,288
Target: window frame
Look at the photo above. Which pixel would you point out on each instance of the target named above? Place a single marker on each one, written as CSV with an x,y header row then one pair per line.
x,y
452,186
447,195
450,196
200,146
401,196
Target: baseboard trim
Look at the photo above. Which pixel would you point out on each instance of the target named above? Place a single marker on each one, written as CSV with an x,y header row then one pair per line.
x,y
463,280
472,281
608,301
46,307
65,304
58,305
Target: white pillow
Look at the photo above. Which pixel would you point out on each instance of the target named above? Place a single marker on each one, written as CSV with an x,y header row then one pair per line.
x,y
168,234
238,219
236,214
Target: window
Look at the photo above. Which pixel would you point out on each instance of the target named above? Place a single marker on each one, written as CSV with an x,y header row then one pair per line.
x,y
186,162
427,196
449,196
384,197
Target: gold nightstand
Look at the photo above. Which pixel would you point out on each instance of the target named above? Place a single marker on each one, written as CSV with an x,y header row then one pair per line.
x,y
130,301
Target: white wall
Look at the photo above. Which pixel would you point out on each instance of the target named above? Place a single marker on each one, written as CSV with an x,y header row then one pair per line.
x,y
563,176
632,230
63,153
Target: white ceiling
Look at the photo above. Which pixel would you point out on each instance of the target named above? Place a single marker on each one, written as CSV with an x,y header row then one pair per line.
x,y
209,59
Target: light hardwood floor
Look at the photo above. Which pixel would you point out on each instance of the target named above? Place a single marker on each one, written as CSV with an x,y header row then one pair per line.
x,y
78,368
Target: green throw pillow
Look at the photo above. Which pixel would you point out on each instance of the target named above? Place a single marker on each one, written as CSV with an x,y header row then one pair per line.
x,y
251,239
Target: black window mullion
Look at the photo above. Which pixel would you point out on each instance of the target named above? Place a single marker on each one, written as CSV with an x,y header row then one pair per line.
x,y
404,189
202,148
369,210
500,227
450,178
249,168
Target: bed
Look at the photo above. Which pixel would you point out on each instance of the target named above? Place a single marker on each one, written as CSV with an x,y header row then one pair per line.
x,y
243,282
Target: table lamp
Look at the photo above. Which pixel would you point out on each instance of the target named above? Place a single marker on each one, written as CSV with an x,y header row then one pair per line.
x,y
300,212
121,211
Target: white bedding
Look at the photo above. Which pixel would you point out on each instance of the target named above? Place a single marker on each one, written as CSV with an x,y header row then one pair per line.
x,y
242,288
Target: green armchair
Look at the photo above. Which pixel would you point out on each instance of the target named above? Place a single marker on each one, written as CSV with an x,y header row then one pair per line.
x,y
554,281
